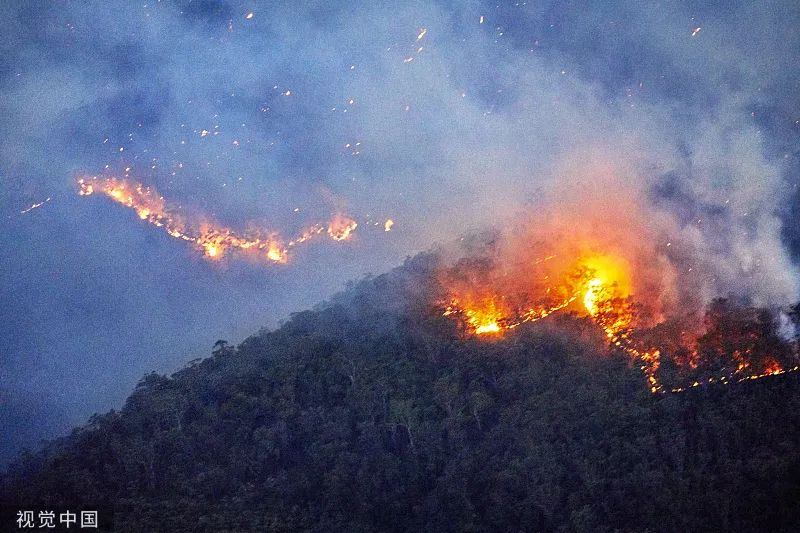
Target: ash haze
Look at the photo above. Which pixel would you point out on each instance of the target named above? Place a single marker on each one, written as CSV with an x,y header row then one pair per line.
x,y
677,118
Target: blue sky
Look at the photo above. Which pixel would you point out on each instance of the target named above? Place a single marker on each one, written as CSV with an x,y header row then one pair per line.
x,y
506,109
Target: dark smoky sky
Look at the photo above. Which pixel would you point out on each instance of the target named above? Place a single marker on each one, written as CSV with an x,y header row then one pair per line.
x,y
695,106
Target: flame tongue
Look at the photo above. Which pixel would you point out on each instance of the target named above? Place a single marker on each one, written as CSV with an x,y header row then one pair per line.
x,y
591,296
608,278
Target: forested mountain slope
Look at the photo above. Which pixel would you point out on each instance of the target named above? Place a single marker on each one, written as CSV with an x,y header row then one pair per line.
x,y
376,413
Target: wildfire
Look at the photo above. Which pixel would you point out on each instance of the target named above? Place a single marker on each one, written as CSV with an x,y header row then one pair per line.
x,y
214,240
731,349
599,279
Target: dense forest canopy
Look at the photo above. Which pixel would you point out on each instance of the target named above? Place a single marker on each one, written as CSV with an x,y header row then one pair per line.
x,y
374,412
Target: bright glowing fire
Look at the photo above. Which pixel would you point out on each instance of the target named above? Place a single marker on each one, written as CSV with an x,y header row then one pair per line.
x,y
610,278
341,227
590,298
486,312
214,240
492,327
603,284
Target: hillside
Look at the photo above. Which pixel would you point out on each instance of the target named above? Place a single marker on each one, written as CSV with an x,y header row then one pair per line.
x,y
376,413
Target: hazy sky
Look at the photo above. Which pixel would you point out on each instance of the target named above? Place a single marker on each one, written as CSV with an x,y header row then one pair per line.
x,y
442,116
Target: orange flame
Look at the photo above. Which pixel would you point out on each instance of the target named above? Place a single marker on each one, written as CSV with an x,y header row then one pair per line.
x,y
341,227
214,240
603,282
489,309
